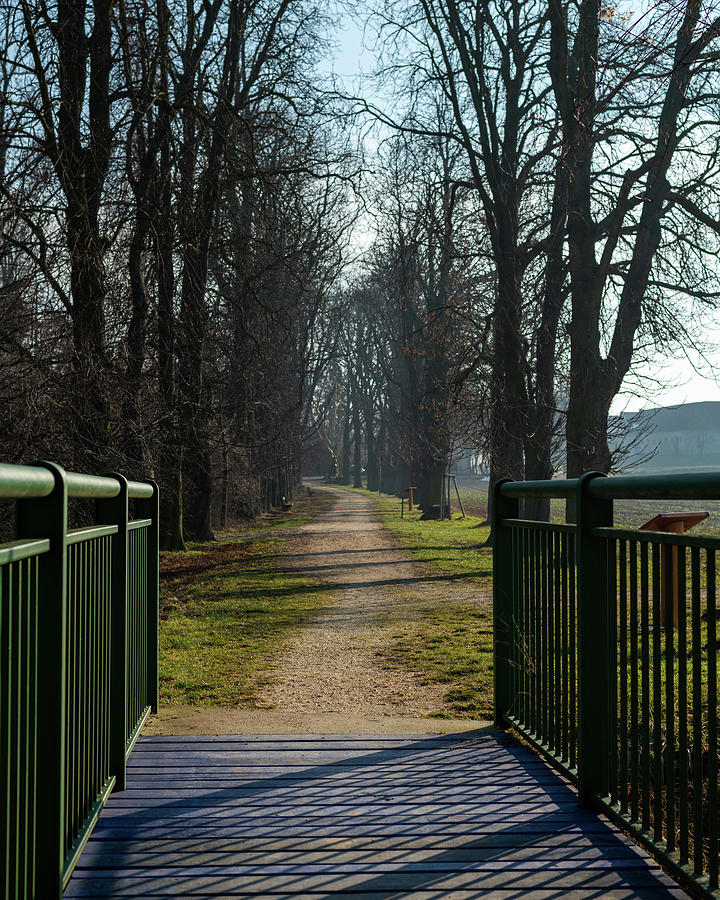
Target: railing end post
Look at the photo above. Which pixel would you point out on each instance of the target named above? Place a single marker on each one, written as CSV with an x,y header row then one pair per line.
x,y
47,517
114,511
149,508
502,508
595,753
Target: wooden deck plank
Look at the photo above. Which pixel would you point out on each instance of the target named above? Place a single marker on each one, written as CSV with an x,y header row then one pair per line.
x,y
423,774
295,742
316,739
216,880
139,789
374,843
98,892
341,831
135,854
375,804
355,752
357,816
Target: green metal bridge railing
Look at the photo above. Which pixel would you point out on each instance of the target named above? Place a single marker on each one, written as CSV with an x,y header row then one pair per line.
x,y
78,663
590,670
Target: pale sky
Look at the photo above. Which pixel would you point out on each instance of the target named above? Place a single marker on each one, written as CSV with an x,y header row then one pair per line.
x,y
676,381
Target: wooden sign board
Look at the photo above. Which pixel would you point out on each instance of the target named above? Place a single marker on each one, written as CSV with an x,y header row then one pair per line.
x,y
675,523
678,523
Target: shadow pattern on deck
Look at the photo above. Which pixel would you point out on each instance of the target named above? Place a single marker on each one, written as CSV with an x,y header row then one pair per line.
x,y
372,817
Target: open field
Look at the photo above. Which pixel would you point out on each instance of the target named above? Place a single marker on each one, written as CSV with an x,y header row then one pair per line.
x,y
628,513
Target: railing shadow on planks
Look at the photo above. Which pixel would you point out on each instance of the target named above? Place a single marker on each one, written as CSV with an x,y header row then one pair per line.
x,y
78,662
591,671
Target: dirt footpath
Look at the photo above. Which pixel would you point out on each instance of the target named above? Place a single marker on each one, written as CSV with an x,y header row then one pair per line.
x,y
332,677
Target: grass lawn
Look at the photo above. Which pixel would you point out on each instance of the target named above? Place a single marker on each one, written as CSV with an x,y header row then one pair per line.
x,y
226,610
448,642
445,640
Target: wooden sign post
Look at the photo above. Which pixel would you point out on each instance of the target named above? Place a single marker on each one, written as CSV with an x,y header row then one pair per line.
x,y
675,523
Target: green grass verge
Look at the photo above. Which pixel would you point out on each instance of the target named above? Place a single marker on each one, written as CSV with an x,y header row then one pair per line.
x,y
227,610
449,643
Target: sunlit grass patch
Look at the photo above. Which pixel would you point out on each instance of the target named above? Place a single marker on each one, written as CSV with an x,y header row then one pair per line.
x,y
449,643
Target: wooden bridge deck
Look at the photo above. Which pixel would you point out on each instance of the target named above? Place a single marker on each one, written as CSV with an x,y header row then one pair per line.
x,y
459,816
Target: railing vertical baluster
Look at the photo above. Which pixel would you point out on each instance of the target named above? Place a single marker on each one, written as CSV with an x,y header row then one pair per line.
x,y
670,564
645,695
612,662
5,670
657,746
149,508
595,753
565,653
502,508
536,602
683,708
558,646
47,517
634,686
96,662
114,511
543,658
515,563
521,633
572,573
85,601
13,689
525,636
623,676
697,712
712,721
33,742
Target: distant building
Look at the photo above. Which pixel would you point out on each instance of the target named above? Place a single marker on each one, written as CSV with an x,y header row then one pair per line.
x,y
678,436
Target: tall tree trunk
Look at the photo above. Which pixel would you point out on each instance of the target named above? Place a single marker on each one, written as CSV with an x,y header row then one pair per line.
x,y
542,412
357,443
346,459
595,380
133,444
371,467
194,401
171,497
90,405
81,147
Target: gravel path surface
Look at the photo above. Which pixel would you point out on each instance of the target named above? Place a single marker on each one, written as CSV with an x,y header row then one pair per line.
x,y
332,679
334,664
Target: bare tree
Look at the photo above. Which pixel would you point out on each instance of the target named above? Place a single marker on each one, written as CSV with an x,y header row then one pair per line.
x,y
630,109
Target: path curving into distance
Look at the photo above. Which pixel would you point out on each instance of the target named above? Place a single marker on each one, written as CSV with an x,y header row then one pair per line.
x,y
334,665
332,676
